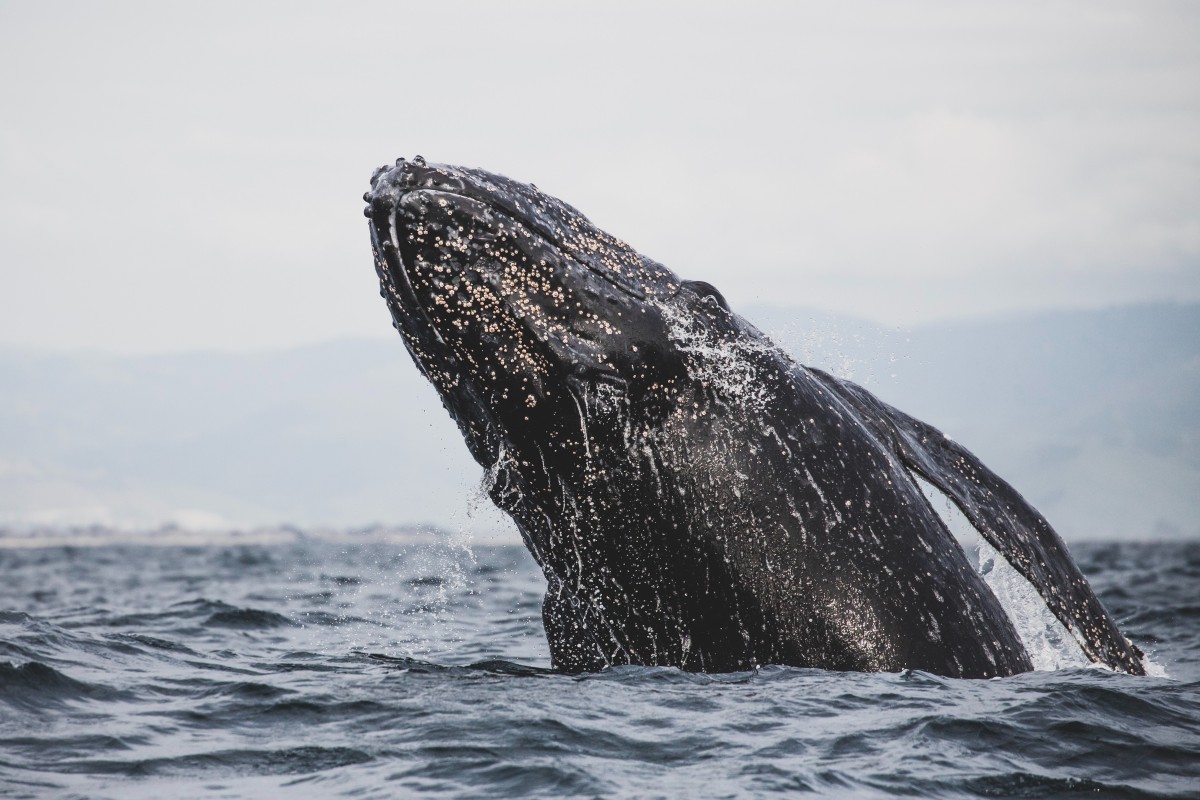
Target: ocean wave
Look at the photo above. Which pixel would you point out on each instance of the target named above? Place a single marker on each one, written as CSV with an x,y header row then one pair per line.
x,y
145,671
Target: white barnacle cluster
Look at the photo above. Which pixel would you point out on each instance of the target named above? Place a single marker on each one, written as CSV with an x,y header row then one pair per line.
x,y
608,253
517,298
478,289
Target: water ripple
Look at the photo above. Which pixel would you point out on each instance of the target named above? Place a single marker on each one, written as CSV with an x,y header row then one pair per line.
x,y
372,671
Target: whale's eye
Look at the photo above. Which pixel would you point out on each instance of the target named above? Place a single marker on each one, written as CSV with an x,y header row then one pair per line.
x,y
706,289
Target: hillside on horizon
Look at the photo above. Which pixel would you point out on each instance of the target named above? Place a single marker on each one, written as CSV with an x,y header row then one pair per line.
x,y
1093,415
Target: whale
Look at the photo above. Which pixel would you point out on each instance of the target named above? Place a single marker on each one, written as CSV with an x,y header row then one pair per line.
x,y
696,497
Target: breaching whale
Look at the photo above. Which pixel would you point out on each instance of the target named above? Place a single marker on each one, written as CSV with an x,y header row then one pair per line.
x,y
694,496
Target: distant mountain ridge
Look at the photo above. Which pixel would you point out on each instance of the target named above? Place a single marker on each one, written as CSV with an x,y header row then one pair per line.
x,y
1093,415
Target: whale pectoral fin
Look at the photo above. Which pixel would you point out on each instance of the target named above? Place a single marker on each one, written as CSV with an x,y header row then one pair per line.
x,y
1003,517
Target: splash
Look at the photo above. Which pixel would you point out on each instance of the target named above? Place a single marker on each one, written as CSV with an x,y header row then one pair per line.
x,y
726,365
1050,645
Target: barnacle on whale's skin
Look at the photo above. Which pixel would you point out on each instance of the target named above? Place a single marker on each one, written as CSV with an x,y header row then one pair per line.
x,y
694,496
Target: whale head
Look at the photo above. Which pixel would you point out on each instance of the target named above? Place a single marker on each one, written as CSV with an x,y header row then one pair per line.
x,y
508,299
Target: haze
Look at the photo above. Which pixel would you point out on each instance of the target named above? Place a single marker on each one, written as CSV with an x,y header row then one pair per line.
x,y
180,177
1018,184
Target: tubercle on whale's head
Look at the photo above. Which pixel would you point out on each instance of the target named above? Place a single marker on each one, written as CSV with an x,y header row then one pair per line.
x,y
504,294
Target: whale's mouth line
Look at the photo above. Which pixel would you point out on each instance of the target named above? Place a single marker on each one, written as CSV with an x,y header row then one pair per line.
x,y
432,353
414,303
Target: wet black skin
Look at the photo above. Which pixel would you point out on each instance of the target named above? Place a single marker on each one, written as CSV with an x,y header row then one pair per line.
x,y
694,496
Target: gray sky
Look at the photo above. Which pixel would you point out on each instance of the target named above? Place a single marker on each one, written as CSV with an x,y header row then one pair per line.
x,y
188,176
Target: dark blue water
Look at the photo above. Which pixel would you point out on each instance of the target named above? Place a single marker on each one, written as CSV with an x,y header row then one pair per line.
x,y
362,668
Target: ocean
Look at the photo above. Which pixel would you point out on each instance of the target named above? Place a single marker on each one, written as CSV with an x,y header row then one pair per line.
x,y
363,664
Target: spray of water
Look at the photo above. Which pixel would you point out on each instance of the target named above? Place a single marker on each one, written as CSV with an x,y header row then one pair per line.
x,y
1051,646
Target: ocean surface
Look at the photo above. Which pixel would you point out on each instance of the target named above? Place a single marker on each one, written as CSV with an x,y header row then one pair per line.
x,y
363,665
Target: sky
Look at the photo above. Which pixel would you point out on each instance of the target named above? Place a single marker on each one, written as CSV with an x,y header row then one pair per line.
x,y
179,177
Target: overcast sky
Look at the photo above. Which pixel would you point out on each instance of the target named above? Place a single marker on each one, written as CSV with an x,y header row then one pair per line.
x,y
189,176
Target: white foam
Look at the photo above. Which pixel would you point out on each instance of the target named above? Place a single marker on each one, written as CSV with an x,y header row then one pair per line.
x,y
1050,645
728,365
